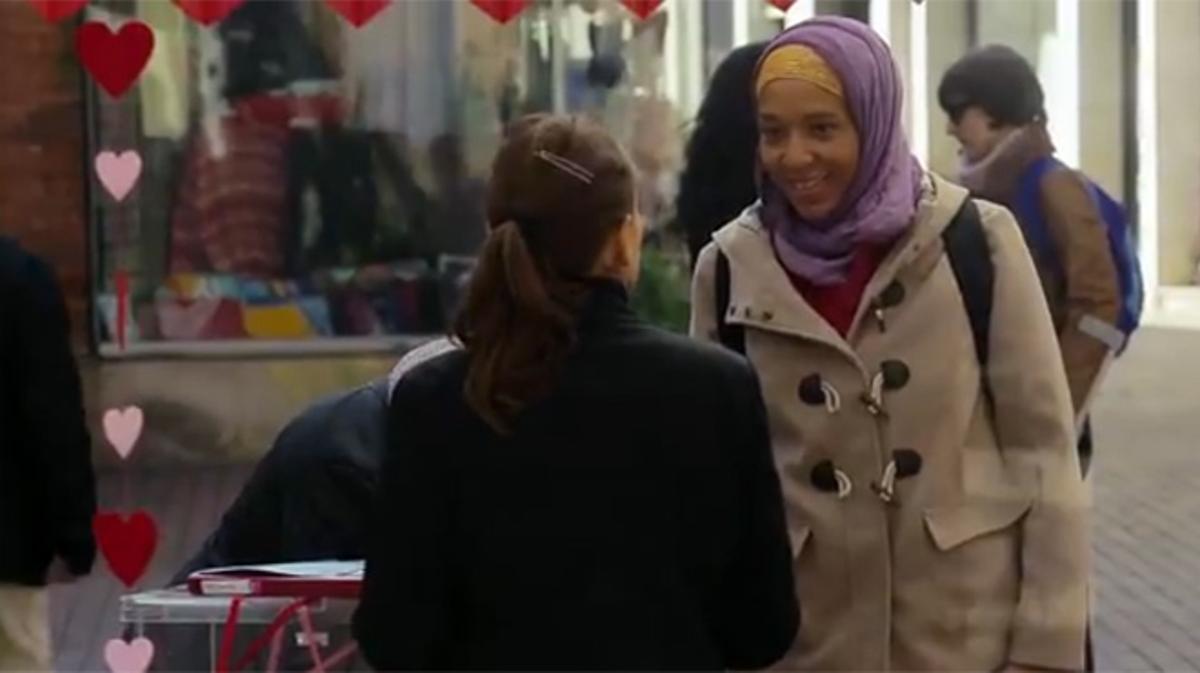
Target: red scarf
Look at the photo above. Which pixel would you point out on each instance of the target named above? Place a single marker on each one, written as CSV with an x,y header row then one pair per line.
x,y
838,304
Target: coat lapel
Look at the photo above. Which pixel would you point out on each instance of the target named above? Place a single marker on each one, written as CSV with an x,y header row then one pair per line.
x,y
760,293
762,296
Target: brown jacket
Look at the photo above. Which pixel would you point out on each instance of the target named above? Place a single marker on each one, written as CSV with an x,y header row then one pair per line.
x,y
981,557
1083,281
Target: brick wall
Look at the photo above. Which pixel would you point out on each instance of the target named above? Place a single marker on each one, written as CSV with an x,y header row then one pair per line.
x,y
42,169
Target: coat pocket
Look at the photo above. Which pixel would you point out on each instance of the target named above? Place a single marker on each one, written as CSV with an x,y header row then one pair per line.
x,y
951,527
976,560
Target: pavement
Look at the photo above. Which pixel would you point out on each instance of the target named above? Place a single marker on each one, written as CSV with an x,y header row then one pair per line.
x,y
1146,499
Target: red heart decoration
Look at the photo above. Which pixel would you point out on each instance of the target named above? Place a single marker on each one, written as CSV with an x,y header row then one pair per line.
x,y
115,60
501,10
57,10
642,8
127,545
208,12
783,5
358,12
122,282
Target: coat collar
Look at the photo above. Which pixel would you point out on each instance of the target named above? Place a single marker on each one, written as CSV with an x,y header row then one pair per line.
x,y
761,295
607,302
998,176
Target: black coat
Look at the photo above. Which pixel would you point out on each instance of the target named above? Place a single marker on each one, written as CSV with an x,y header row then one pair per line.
x,y
47,485
632,521
309,498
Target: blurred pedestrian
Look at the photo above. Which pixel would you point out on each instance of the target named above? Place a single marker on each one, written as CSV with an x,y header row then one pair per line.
x,y
996,110
717,183
47,485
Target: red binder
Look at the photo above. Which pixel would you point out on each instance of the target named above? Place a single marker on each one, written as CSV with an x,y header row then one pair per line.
x,y
315,579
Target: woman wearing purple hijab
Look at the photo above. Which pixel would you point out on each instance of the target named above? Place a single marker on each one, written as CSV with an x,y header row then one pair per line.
x,y
919,410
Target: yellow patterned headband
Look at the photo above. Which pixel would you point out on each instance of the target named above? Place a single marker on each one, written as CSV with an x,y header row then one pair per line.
x,y
796,61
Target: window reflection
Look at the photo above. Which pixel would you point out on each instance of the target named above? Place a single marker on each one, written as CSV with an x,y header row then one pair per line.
x,y
311,180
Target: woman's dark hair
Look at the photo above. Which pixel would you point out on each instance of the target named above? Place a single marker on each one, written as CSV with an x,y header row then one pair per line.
x,y
560,188
718,182
997,79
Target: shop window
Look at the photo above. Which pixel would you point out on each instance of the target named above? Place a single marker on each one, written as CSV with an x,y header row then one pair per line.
x,y
311,185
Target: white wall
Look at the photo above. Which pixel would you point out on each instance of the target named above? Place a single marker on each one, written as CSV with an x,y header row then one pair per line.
x,y
1019,24
1098,117
899,19
1101,114
948,35
1178,53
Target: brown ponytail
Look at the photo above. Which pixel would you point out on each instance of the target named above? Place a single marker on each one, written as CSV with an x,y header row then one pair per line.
x,y
560,187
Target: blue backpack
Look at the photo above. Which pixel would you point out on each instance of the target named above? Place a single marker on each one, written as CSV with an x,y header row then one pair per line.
x,y
1120,239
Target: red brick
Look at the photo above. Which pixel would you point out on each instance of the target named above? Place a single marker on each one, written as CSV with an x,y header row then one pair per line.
x,y
41,147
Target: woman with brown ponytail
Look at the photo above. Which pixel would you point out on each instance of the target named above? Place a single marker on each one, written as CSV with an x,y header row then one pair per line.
x,y
574,489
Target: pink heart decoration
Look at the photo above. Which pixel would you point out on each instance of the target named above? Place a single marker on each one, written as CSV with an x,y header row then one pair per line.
x,y
123,657
119,173
122,428
782,4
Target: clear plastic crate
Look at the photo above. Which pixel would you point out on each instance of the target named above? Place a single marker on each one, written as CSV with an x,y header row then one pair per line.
x,y
187,630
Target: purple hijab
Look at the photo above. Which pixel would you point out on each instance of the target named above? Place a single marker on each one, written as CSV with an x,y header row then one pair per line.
x,y
882,199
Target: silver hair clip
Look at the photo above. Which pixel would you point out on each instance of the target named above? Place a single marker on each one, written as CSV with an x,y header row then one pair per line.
x,y
567,166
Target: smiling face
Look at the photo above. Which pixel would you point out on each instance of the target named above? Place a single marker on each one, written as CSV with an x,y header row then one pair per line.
x,y
808,145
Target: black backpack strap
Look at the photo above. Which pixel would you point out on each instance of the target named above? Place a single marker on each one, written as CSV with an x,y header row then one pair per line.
x,y
731,336
971,259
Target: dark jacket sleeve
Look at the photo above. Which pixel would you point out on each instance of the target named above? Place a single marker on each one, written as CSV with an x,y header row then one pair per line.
x,y
52,399
310,497
249,530
759,617
403,621
289,513
329,495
